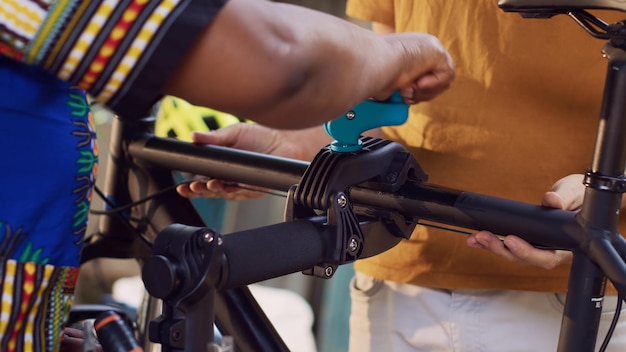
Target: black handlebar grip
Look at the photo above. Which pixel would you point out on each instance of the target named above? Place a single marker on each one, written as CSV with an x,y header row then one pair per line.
x,y
272,251
114,334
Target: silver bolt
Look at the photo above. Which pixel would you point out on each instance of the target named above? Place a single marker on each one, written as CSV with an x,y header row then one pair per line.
x,y
350,115
342,200
353,245
208,237
328,271
392,176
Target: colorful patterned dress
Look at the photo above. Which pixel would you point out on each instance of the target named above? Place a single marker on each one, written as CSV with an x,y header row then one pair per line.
x,y
51,53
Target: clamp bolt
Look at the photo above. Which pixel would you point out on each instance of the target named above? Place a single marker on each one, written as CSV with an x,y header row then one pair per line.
x,y
353,245
342,200
328,271
210,236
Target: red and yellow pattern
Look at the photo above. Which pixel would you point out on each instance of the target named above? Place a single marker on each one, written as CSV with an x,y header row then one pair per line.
x,y
34,303
111,43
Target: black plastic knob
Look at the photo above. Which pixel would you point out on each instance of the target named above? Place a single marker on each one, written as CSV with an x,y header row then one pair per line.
x,y
159,276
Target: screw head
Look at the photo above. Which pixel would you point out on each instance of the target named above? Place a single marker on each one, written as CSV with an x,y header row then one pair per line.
x,y
350,115
342,200
353,245
328,271
392,177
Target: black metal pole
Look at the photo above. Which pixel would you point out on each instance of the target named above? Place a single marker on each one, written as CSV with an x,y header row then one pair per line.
x,y
599,214
220,162
423,201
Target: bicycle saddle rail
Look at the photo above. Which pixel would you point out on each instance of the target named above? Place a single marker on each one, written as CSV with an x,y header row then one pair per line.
x,y
560,6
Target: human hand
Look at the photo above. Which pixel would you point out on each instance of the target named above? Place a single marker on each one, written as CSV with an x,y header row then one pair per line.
x,y
73,340
301,144
566,194
429,69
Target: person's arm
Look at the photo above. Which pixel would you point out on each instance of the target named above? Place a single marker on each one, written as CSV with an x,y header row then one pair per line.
x,y
280,65
287,66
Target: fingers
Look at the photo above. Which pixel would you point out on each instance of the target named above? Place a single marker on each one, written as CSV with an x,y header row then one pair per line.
x,y
567,194
244,136
433,84
218,189
74,340
552,200
429,67
426,88
206,138
439,78
227,136
408,94
517,250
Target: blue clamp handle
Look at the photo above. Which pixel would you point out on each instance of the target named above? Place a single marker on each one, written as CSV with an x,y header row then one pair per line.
x,y
367,115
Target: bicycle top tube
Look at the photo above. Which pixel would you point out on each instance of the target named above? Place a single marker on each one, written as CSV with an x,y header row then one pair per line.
x,y
419,201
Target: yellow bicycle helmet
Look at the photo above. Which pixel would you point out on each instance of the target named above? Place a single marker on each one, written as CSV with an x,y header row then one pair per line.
x,y
178,118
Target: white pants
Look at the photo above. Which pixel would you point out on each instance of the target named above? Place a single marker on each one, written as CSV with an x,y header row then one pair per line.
x,y
394,317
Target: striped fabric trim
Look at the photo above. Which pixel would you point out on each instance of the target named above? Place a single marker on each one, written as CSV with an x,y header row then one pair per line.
x,y
104,46
78,15
135,49
7,296
171,42
58,13
35,305
20,20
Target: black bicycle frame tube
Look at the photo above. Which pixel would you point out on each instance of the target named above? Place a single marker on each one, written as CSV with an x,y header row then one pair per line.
x,y
600,215
539,225
220,162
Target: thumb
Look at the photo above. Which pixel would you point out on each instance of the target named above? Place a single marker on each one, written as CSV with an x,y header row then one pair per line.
x,y
567,193
226,136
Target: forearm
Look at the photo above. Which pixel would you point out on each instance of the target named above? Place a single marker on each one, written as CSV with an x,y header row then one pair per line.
x,y
281,65
304,71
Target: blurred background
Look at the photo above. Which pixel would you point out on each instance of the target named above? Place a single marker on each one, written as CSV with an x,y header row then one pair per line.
x,y
324,305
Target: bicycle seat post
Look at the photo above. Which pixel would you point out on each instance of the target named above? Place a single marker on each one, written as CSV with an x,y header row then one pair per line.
x,y
599,215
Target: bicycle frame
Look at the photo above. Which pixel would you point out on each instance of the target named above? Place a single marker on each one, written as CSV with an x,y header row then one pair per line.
x,y
141,165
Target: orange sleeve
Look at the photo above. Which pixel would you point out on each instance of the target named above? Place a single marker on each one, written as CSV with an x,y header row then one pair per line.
x,y
381,11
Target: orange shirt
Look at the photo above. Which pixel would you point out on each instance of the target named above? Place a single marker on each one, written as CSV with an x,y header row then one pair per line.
x,y
521,114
